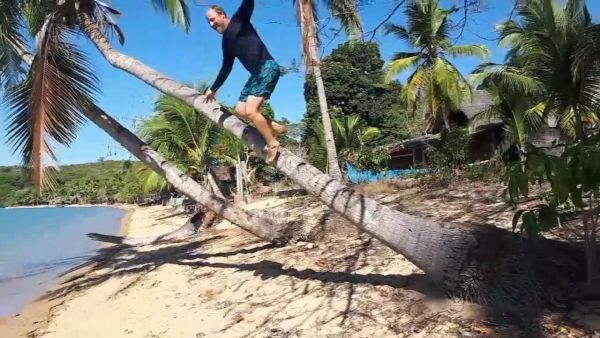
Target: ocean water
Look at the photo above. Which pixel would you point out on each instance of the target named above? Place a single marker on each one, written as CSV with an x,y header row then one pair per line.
x,y
38,244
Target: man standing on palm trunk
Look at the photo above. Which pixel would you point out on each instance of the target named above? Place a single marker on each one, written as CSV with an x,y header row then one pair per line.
x,y
241,40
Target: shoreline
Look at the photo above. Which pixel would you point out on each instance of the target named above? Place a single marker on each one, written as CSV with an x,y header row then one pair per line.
x,y
116,205
36,315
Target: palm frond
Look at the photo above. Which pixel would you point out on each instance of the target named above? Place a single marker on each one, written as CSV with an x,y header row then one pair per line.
x,y
400,64
509,32
11,64
577,13
47,107
511,79
346,12
36,13
178,10
416,82
186,137
452,87
370,134
484,117
567,122
103,16
480,51
399,31
478,79
535,116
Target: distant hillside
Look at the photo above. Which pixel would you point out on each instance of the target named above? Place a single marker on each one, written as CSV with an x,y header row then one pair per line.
x,y
102,181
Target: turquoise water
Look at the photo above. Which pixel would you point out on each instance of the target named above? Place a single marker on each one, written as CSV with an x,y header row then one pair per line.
x,y
38,244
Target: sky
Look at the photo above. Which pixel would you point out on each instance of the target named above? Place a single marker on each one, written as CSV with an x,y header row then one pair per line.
x,y
195,56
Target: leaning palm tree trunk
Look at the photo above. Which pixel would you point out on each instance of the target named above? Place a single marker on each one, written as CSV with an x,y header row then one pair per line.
x,y
477,262
260,226
309,39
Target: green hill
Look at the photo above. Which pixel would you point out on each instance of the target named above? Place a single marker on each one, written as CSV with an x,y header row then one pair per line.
x,y
102,181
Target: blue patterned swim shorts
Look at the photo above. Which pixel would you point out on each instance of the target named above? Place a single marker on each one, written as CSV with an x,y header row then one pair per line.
x,y
263,83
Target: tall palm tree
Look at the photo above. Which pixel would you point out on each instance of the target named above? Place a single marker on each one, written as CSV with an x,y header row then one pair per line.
x,y
435,80
347,13
555,47
450,254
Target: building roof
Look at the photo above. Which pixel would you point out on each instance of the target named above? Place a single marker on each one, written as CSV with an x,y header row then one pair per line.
x,y
481,100
410,143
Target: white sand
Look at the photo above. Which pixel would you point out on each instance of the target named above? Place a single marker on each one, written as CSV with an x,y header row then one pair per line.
x,y
219,287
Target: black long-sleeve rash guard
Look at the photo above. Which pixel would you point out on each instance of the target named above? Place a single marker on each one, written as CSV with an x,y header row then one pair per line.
x,y
241,40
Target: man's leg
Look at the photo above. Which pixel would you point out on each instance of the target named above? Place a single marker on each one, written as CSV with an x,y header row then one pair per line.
x,y
240,109
276,128
253,105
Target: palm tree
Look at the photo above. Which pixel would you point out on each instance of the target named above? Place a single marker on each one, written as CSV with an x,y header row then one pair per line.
x,y
555,49
450,254
347,13
351,136
182,135
435,80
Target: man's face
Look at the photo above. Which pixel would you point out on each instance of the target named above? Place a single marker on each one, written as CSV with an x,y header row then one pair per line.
x,y
217,21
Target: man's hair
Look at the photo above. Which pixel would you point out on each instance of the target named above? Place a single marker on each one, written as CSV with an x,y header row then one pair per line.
x,y
218,9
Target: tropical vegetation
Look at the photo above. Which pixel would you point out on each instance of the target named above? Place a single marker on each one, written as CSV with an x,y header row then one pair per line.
x,y
435,81
104,181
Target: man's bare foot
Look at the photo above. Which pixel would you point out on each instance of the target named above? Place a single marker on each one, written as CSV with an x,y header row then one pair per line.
x,y
272,150
278,129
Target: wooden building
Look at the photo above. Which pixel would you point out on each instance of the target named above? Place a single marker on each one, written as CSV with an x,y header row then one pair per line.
x,y
485,138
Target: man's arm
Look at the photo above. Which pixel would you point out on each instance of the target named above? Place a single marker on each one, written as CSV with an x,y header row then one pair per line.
x,y
224,72
244,13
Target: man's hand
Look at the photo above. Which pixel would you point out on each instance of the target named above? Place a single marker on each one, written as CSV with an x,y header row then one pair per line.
x,y
210,96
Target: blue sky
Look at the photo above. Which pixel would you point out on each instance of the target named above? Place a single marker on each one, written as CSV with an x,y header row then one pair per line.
x,y
196,56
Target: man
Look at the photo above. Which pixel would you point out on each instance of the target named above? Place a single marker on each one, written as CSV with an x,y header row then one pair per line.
x,y
241,40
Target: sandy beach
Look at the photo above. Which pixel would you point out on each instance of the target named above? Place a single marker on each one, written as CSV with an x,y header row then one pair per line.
x,y
227,283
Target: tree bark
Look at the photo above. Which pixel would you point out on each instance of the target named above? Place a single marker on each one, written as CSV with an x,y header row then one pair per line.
x,y
309,37
470,261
